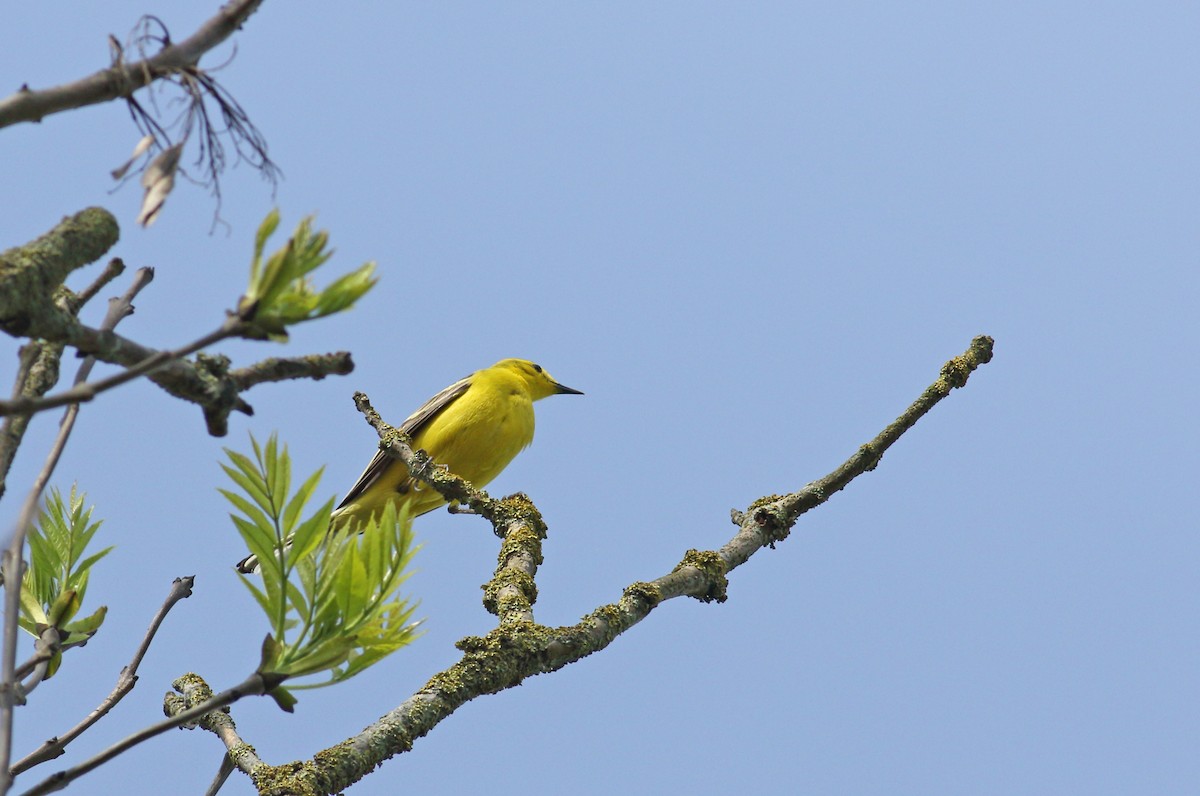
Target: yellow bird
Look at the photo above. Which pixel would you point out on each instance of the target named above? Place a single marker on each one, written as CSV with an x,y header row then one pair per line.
x,y
474,427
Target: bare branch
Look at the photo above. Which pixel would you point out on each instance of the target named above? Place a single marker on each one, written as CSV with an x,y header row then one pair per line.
x,y
12,569
313,366
115,267
195,705
181,589
122,79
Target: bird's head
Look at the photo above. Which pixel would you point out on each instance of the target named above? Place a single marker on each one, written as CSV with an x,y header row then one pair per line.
x,y
539,383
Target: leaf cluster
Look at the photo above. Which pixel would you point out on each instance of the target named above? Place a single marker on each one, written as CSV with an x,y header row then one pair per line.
x,y
53,589
280,292
331,599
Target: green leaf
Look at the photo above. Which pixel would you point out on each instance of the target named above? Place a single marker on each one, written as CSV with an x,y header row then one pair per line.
x,y
252,511
345,291
283,698
83,567
53,665
280,292
265,230
296,599
271,651
64,608
252,485
330,598
292,510
32,608
259,596
89,624
309,534
261,542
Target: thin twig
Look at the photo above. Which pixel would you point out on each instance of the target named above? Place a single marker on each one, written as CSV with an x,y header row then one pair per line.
x,y
223,771
48,643
115,267
181,589
254,685
12,568
121,79
82,392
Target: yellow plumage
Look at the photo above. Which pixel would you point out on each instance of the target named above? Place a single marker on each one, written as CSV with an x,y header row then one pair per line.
x,y
474,427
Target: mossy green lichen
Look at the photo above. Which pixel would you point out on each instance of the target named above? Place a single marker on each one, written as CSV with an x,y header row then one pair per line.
x,y
764,501
522,599
31,275
516,510
713,568
646,593
522,537
195,691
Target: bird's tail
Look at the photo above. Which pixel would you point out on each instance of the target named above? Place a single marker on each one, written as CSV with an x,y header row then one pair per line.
x,y
247,565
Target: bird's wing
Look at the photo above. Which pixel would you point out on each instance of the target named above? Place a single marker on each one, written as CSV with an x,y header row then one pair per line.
x,y
412,426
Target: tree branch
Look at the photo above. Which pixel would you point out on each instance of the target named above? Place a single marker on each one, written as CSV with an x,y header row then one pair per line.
x,y
517,649
512,591
121,79
37,374
313,366
37,371
419,463
181,589
82,392
12,568
32,305
31,275
115,267
196,702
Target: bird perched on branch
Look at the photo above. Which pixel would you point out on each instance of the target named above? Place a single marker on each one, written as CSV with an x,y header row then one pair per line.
x,y
474,428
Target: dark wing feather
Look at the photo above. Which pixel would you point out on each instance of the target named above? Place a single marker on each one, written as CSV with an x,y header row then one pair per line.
x,y
412,426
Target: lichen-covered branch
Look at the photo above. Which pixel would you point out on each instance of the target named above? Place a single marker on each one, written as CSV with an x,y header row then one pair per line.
x,y
511,593
519,649
37,373
769,519
37,368
122,79
31,275
34,303
419,463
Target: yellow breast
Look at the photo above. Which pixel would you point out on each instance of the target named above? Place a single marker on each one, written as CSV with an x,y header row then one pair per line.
x,y
481,431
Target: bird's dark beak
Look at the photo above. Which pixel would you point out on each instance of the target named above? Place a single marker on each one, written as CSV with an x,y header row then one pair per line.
x,y
562,389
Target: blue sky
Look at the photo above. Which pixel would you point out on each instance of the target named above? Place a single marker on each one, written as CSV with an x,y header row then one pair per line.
x,y
751,234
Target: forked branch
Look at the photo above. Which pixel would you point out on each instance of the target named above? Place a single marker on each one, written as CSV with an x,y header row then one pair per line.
x,y
519,649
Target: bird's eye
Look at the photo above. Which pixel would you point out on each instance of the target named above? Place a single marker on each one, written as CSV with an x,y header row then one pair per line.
x,y
538,368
